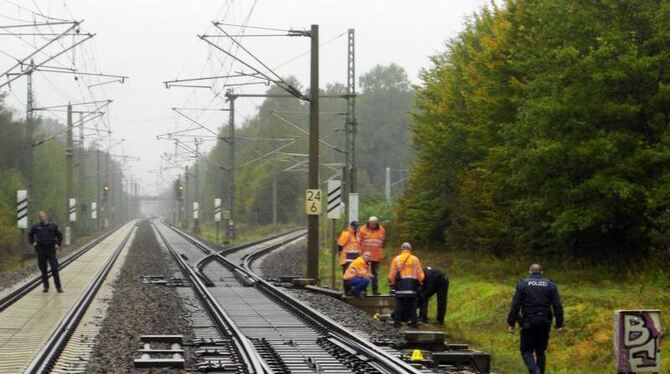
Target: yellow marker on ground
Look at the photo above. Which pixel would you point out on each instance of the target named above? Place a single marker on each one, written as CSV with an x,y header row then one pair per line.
x,y
417,355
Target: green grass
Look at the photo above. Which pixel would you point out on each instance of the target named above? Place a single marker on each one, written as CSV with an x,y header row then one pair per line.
x,y
481,289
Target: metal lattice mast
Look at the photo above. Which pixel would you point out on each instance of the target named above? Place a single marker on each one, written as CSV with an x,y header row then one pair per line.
x,y
231,124
29,142
68,170
82,168
350,124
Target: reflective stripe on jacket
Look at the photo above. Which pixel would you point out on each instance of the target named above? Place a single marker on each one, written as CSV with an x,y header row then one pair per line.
x,y
406,273
358,268
372,241
349,242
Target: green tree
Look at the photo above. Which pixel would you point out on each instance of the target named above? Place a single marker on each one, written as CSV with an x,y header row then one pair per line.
x,y
545,127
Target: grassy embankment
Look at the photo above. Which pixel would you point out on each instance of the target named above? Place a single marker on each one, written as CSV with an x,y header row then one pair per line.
x,y
481,289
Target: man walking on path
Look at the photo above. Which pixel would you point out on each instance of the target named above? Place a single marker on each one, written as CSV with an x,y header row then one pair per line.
x,y
45,237
534,305
372,237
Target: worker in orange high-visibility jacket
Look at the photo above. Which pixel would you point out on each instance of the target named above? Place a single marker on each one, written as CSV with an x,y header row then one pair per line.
x,y
357,276
348,245
372,237
405,277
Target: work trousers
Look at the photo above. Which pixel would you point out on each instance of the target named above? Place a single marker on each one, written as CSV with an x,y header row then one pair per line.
x,y
405,309
344,269
374,269
48,255
357,285
442,290
534,342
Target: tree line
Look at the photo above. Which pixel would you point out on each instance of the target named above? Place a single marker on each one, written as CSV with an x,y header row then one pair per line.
x,y
544,128
48,192
382,139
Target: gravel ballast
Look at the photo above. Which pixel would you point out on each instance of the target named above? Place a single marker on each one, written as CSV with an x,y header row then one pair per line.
x,y
138,309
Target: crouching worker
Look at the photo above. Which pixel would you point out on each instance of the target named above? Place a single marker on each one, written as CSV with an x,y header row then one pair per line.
x,y
357,276
405,276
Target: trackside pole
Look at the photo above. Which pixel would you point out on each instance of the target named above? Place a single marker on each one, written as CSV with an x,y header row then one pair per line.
x,y
334,254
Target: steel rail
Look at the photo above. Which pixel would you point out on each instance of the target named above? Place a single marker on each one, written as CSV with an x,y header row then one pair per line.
x,y
49,353
381,360
244,348
211,256
387,362
35,281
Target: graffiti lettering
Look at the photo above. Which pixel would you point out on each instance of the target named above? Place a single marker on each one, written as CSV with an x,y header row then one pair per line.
x,y
638,340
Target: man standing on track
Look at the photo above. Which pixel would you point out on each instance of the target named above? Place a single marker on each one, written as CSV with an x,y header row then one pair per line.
x,y
535,299
45,237
357,276
372,237
405,276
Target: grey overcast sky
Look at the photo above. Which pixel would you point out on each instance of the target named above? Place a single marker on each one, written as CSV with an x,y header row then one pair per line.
x,y
156,40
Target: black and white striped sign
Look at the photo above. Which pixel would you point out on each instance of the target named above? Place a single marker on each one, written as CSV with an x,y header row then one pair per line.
x,y
196,210
217,210
94,210
334,199
22,209
72,209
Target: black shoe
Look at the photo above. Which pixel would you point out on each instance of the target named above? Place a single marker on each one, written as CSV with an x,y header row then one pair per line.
x,y
413,325
376,293
45,290
440,322
424,320
60,290
397,324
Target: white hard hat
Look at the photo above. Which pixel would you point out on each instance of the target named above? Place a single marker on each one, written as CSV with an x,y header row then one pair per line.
x,y
373,219
406,245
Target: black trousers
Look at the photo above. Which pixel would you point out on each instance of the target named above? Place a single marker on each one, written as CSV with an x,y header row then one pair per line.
x,y
345,287
405,310
534,342
46,255
442,290
374,269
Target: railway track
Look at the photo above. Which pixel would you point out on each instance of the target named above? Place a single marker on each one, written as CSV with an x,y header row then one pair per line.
x,y
284,334
35,326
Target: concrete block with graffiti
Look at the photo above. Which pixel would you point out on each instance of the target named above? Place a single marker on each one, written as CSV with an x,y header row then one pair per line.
x,y
637,341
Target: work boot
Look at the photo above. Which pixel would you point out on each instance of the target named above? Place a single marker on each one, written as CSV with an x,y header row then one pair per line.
x,y
60,290
45,290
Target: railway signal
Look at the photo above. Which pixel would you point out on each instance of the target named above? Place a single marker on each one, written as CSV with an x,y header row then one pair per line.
x,y
105,192
179,189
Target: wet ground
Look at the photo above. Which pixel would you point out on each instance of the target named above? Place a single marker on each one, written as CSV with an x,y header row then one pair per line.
x,y
139,309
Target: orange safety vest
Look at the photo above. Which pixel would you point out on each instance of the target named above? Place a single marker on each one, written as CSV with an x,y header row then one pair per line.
x,y
372,241
349,243
406,273
358,268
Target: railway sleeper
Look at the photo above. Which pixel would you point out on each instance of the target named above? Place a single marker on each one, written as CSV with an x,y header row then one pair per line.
x,y
270,355
154,353
347,356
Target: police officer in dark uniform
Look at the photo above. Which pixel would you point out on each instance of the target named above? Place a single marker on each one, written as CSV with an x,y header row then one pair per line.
x,y
45,236
534,305
435,282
